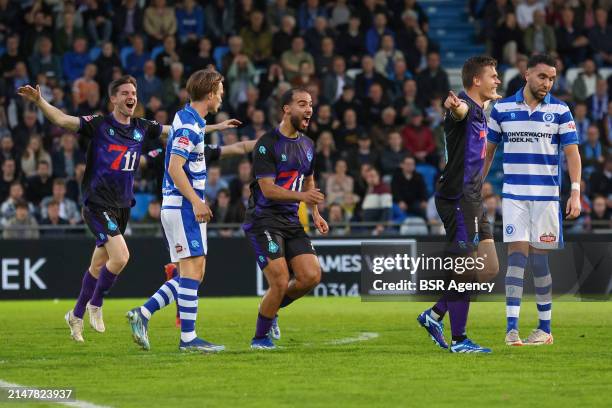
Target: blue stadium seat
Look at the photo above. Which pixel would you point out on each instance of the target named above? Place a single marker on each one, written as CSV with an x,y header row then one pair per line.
x,y
123,54
397,215
2,51
429,173
156,51
142,204
218,55
94,53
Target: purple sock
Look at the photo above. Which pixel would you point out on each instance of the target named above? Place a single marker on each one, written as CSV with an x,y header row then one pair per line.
x,y
263,326
458,309
441,307
88,286
105,282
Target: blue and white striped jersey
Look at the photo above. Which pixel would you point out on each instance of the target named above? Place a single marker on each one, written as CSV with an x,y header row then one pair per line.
x,y
533,142
186,139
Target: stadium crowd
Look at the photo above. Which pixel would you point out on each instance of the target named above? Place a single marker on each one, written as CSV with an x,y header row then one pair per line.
x,y
374,74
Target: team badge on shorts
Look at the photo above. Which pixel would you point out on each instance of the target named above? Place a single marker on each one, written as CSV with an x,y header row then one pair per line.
x,y
272,247
112,226
550,237
509,229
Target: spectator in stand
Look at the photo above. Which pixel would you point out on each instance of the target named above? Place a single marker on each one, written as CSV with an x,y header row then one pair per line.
x,y
433,80
257,126
240,76
605,125
253,102
367,77
74,185
324,62
518,81
33,154
375,34
69,155
22,225
98,23
44,61
380,131
336,80
364,152
540,37
347,101
572,44
508,41
353,43
64,37
275,12
591,152
190,22
203,59
585,14
85,85
35,31
23,131
349,132
219,20
172,86
306,76
282,39
407,102
235,44
214,183
581,121
291,59
417,60
257,39
149,85
378,201
244,177
8,207
408,32
159,21
601,214
315,35
600,181
40,185
338,183
561,87
136,59
325,158
11,57
525,12
74,62
68,208
106,63
9,176
337,220
386,56
323,121
408,189
584,85
53,221
127,21
393,154
307,14
419,139
167,57
597,103
600,38
225,213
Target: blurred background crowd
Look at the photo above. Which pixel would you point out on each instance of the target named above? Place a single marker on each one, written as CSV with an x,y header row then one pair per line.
x,y
378,73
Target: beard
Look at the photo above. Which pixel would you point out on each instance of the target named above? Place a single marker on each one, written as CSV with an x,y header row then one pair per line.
x,y
535,92
296,122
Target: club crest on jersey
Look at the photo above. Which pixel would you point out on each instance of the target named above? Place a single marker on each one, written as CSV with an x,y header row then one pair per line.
x,y
137,135
510,229
195,244
548,117
262,150
283,157
513,115
309,155
111,132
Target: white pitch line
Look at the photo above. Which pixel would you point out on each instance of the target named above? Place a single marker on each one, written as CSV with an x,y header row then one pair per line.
x,y
365,336
76,403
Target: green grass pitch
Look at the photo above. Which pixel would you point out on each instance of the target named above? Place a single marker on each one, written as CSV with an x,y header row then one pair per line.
x,y
400,367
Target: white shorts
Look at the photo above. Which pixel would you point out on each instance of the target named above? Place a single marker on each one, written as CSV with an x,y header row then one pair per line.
x,y
536,222
186,237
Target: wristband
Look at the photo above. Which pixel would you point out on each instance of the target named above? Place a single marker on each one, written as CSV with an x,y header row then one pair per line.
x,y
576,186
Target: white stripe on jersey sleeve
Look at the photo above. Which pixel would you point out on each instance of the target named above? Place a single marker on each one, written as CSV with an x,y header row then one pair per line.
x,y
535,169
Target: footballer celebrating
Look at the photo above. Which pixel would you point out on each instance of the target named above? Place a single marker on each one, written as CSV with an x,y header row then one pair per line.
x,y
183,221
535,128
112,157
459,202
283,164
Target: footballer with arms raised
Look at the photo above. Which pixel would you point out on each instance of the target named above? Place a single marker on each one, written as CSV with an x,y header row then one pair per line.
x,y
459,201
283,163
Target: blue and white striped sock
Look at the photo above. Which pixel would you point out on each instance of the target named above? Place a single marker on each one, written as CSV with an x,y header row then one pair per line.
x,y
188,307
514,288
542,281
165,295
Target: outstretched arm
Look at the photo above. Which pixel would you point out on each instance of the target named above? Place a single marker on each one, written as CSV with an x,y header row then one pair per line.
x,y
56,116
226,124
456,106
237,149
